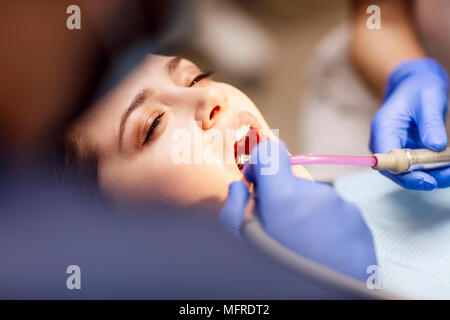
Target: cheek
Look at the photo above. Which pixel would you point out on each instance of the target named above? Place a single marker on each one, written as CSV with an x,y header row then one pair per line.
x,y
191,185
146,181
238,101
186,186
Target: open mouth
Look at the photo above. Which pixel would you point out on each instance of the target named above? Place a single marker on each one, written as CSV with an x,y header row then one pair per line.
x,y
246,138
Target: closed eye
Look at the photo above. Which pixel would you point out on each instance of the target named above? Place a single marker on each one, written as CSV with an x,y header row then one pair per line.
x,y
152,128
200,77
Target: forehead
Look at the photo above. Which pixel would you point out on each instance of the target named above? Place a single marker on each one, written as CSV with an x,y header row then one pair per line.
x,y
151,73
152,65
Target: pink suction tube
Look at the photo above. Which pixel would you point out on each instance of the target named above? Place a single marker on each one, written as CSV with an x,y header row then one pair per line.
x,y
330,159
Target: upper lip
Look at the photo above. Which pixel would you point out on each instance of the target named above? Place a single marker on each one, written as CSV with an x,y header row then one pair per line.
x,y
244,119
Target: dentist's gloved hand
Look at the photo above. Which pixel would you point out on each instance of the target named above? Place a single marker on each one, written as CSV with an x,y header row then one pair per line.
x,y
304,216
413,116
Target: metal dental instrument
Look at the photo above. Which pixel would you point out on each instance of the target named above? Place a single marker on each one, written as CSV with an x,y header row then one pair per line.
x,y
406,160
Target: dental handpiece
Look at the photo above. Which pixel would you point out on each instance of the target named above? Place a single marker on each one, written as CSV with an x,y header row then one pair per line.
x,y
406,160
395,161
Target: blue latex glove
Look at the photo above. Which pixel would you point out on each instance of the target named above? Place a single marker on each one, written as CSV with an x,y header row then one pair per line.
x,y
413,116
304,216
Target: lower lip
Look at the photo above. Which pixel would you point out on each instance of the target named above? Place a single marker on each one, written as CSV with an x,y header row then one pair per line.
x,y
244,146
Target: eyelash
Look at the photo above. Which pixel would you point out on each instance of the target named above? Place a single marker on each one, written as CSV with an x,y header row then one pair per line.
x,y
201,76
152,128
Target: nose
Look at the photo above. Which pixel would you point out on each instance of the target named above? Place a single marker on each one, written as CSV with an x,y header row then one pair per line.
x,y
210,107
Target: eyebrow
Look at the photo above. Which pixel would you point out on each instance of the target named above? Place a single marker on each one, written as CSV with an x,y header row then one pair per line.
x,y
137,101
173,64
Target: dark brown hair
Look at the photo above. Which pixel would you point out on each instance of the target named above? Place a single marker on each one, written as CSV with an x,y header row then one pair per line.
x,y
76,162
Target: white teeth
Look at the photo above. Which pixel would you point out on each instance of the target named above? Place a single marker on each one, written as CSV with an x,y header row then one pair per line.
x,y
242,132
242,159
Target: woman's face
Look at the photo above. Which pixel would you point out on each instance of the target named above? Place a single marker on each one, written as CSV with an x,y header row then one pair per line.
x,y
168,133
